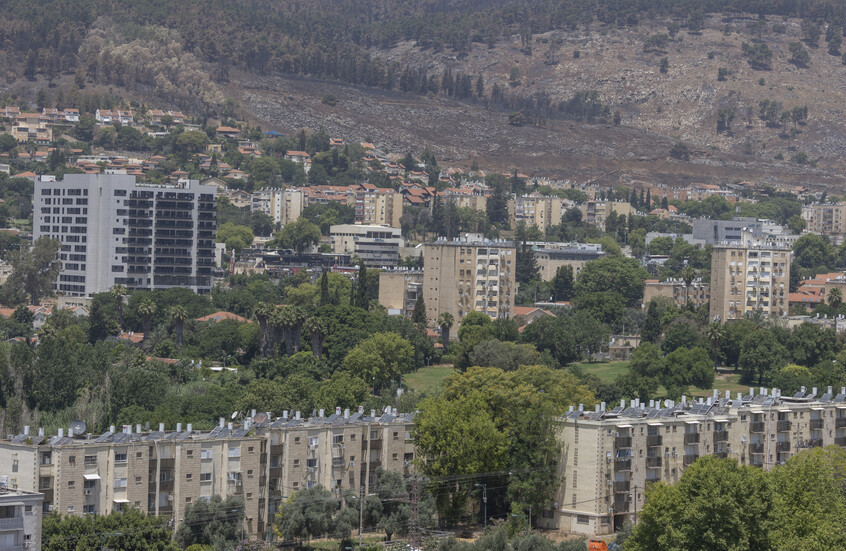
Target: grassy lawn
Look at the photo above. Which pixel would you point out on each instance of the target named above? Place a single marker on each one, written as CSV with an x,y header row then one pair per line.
x,y
427,378
608,371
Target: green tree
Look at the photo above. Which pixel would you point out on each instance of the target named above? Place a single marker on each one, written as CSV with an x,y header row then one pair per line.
x,y
684,367
716,505
835,298
624,275
178,316
34,271
563,284
131,530
418,315
506,356
83,130
651,330
147,309
548,334
118,292
796,224
341,390
380,358
191,141
306,514
813,250
445,323
799,54
214,522
298,235
761,355
316,330
527,265
235,237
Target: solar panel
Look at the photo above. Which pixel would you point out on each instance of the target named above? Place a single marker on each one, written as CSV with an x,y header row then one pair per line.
x,y
839,398
825,397
616,410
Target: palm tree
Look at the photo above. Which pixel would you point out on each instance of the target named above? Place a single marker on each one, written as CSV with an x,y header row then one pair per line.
x,y
178,315
263,311
835,298
317,332
759,318
147,309
688,275
277,323
298,317
118,291
716,334
445,322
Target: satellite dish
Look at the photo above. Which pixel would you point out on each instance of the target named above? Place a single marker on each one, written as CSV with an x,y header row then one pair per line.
x,y
78,427
261,417
234,414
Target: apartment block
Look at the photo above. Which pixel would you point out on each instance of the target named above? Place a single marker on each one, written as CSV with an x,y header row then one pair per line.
x,y
378,207
826,219
551,256
115,230
749,278
538,210
469,274
162,472
713,232
399,289
610,457
376,245
596,212
281,205
469,199
698,294
20,518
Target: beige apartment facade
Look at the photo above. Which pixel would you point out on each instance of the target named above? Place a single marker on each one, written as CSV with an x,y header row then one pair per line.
x,y
469,275
535,209
551,256
745,279
282,205
474,201
610,457
381,207
827,219
596,212
399,289
163,472
698,294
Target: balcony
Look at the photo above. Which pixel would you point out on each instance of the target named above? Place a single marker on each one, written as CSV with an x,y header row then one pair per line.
x,y
690,459
622,486
817,424
782,446
654,440
721,436
622,465
653,462
783,426
721,455
621,506
623,442
15,523
840,423
757,427
691,438
840,441
815,443
756,448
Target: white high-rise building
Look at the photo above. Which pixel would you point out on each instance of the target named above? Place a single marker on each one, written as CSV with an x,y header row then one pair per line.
x,y
115,230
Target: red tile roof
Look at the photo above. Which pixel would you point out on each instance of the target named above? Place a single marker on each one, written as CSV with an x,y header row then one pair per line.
x,y
220,316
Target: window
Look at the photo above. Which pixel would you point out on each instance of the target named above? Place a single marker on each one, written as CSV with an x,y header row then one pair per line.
x,y
235,451
296,485
249,472
205,477
189,476
187,500
137,480
120,483
312,442
296,462
189,453
71,483
206,454
582,519
250,449
72,459
396,436
338,439
89,509
139,455
297,440
311,462
89,484
70,509
120,457
395,456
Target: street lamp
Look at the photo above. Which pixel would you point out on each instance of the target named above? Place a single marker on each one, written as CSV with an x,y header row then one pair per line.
x,y
484,488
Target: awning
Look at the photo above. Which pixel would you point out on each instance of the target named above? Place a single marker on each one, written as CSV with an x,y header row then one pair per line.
x,y
624,426
721,421
655,424
818,409
13,504
692,422
121,500
91,476
785,410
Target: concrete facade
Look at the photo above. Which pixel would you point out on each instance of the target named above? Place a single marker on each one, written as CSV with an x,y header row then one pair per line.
x,y
827,219
378,207
609,457
746,279
713,232
536,210
551,256
114,230
282,205
377,245
675,290
20,518
163,472
399,289
469,275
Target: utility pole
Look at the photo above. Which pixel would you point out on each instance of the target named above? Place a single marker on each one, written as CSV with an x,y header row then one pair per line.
x,y
484,488
413,532
635,504
361,515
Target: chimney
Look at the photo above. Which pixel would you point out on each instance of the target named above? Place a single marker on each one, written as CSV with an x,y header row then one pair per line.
x,y
138,428
222,422
394,412
252,413
229,425
684,399
41,432
602,406
843,390
708,401
285,414
765,391
716,393
112,429
70,432
337,410
61,433
321,412
752,391
814,390
740,396
346,414
803,389
728,394
372,413
623,403
161,425
570,410
297,415
829,390
596,408
652,403
26,430
248,423
581,407
189,427
361,409
179,427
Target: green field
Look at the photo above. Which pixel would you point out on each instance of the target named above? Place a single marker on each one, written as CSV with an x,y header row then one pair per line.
x,y
427,378
608,371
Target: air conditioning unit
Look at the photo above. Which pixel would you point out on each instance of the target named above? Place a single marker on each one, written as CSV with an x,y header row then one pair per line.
x,y
170,497
676,455
50,508
609,482
352,463
88,491
310,469
667,455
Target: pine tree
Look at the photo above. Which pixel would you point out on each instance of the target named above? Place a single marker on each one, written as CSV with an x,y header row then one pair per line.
x,y
527,266
563,284
651,331
362,299
418,316
324,289
648,199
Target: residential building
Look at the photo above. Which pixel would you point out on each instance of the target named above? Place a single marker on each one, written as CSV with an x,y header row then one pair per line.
x,y
375,245
749,278
551,256
721,231
469,274
263,460
32,127
399,290
535,209
282,205
20,516
115,230
596,212
698,294
378,206
465,198
827,219
610,456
